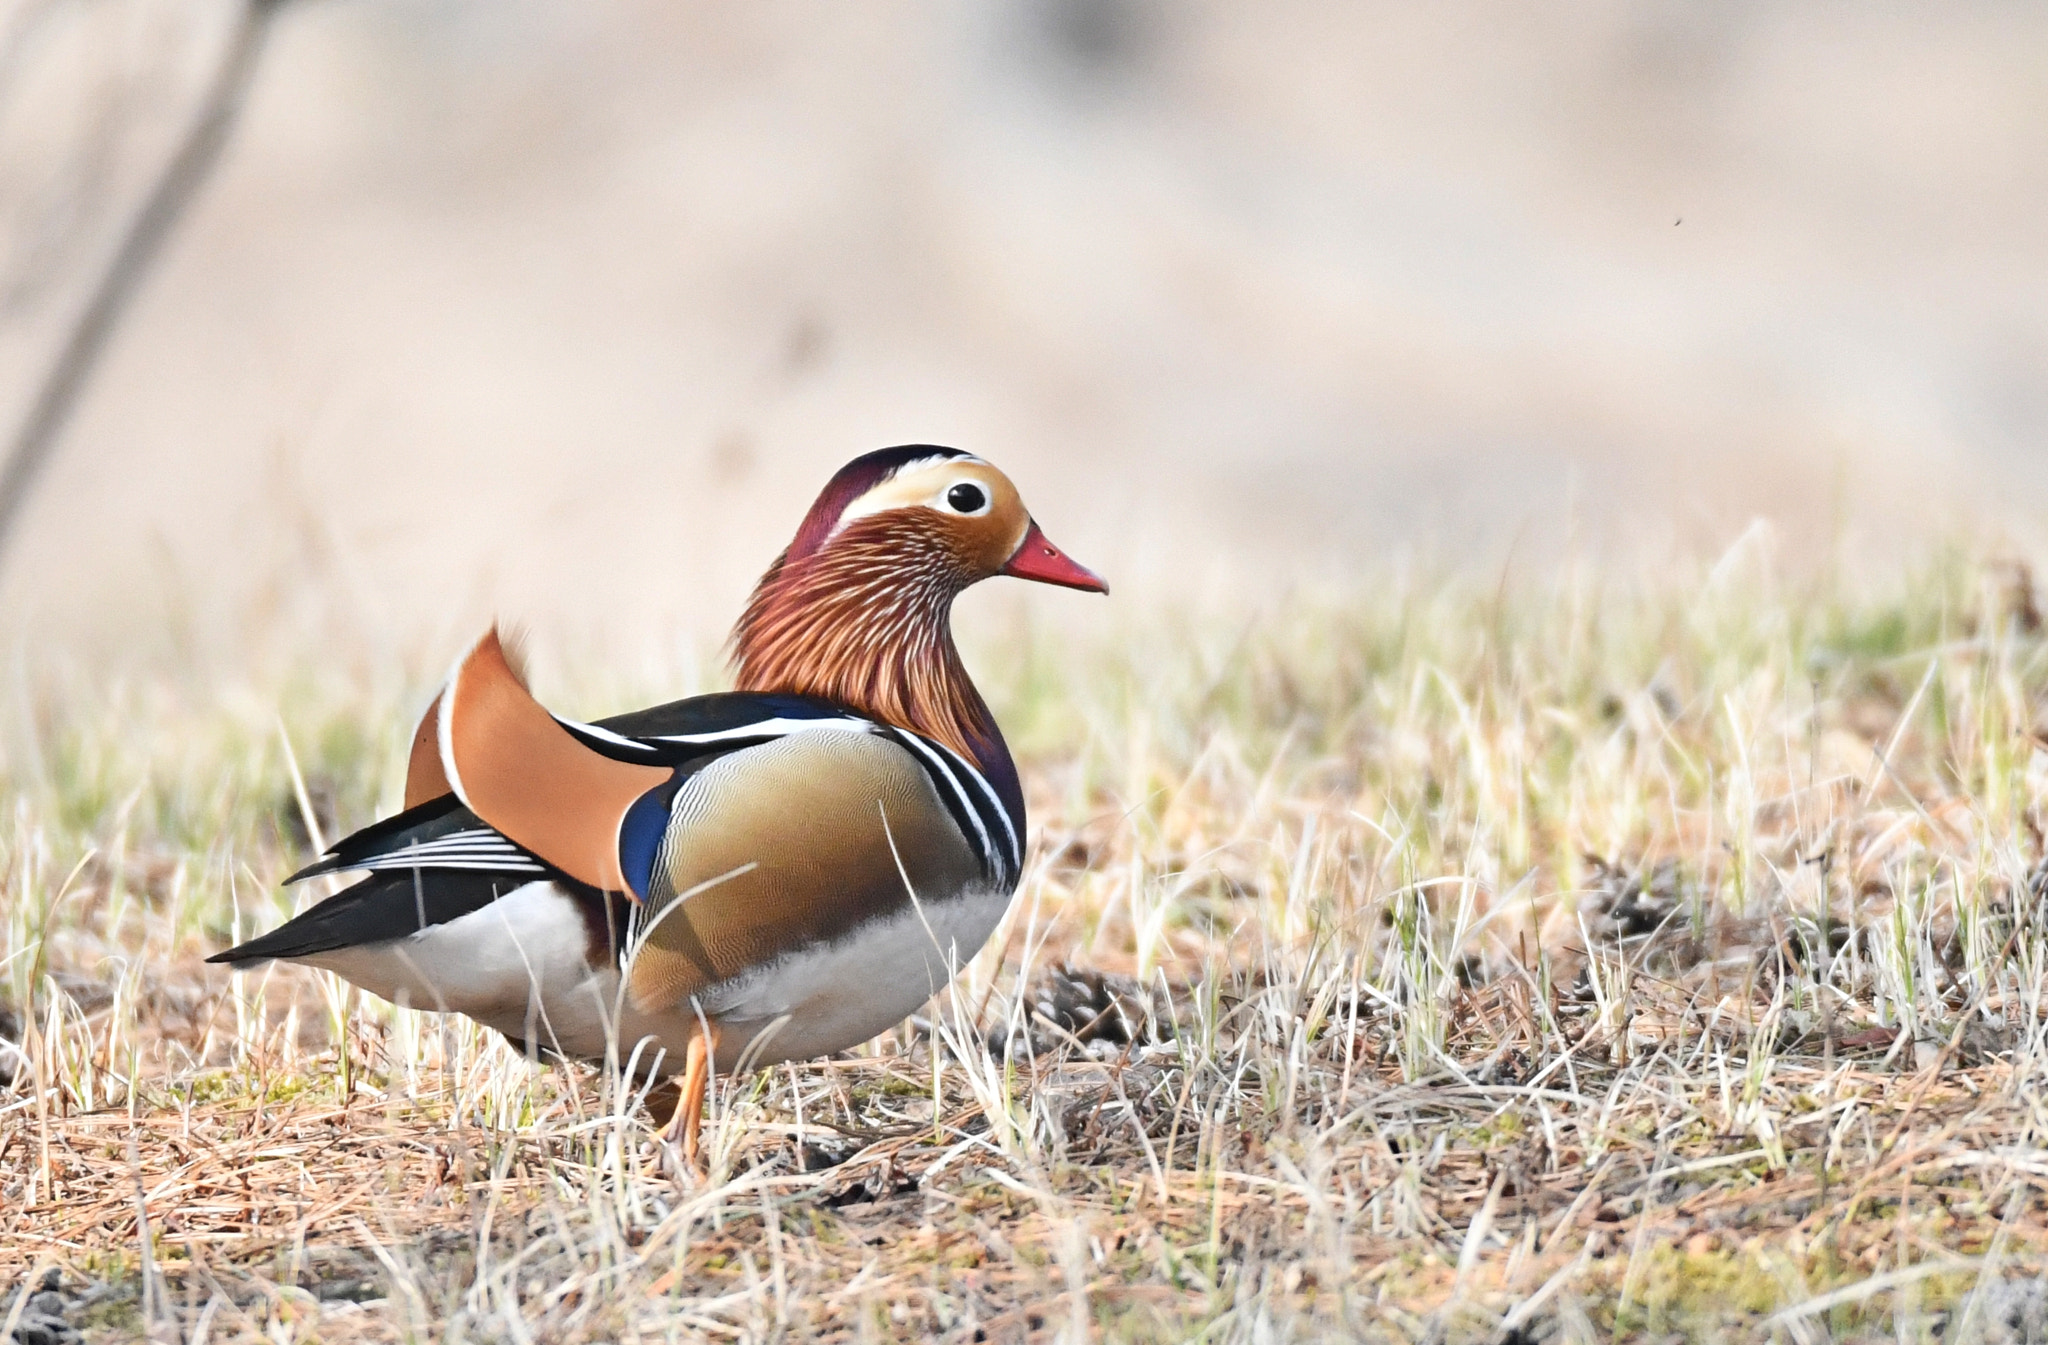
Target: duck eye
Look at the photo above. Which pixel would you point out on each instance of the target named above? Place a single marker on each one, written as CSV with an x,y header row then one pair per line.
x,y
965,498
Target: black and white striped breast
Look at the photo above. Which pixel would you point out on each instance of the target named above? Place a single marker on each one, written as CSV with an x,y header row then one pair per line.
x,y
973,804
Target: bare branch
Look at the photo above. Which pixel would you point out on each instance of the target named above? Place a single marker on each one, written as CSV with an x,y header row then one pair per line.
x,y
183,175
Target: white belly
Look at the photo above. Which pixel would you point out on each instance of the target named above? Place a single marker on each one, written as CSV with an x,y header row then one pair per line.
x,y
520,965
840,994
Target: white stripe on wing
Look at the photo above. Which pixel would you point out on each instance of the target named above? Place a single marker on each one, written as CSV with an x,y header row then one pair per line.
x,y
770,728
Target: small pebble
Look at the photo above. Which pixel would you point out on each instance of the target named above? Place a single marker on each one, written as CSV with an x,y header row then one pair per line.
x,y
34,1329
42,1316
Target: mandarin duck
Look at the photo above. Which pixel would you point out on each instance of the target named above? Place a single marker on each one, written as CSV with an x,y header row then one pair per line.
x,y
772,873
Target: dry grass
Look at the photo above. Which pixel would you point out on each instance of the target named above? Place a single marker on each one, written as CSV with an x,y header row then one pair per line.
x,y
1575,961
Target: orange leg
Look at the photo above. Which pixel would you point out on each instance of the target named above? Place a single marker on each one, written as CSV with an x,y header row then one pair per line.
x,y
689,1118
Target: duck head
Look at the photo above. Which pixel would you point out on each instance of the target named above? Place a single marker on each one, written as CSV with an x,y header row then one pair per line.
x,y
956,514
857,609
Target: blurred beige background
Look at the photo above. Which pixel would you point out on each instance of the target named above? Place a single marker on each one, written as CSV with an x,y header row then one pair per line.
x,y
565,309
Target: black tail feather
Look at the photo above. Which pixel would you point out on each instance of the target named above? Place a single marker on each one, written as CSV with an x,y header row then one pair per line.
x,y
422,822
380,908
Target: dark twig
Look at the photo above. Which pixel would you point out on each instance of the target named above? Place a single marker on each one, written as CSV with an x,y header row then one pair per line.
x,y
182,176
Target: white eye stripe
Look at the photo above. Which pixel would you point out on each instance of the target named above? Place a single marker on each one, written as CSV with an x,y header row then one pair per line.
x,y
931,464
923,482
